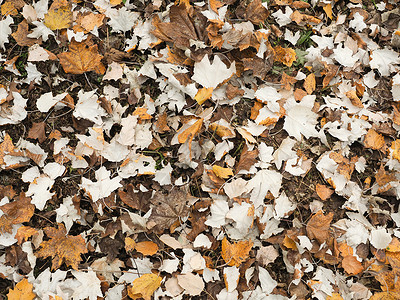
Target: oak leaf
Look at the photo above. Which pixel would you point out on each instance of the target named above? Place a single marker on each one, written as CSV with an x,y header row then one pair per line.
x,y
374,140
236,253
62,247
144,286
318,226
59,18
22,291
309,83
82,57
167,209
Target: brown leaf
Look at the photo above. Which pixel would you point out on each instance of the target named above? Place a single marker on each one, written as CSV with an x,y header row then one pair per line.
x,y
161,125
24,233
88,21
323,191
287,81
37,132
247,159
256,12
82,57
396,115
6,147
285,55
318,226
18,211
62,247
21,37
351,265
136,200
167,209
309,83
236,253
374,140
259,66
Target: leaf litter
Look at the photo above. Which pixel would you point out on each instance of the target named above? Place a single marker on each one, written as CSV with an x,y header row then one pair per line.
x,y
206,150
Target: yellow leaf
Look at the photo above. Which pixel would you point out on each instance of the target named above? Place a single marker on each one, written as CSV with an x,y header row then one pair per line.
x,y
236,253
190,132
384,296
203,95
285,55
309,83
334,296
146,248
144,286
374,140
396,149
115,2
130,244
58,18
222,172
22,291
328,10
8,8
221,130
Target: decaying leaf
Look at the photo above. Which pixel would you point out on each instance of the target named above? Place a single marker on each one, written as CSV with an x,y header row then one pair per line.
x,y
351,265
222,172
318,226
285,55
144,286
22,291
82,57
323,191
18,211
235,253
62,247
167,209
309,83
37,131
256,12
59,18
146,248
374,140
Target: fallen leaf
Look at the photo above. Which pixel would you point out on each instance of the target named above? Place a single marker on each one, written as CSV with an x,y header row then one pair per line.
x,y
136,200
190,132
22,291
384,296
288,81
396,115
222,172
285,55
82,57
318,226
89,21
309,83
395,147
161,125
328,10
203,95
351,265
323,191
147,248
247,159
6,147
298,17
144,286
21,37
24,233
215,4
236,253
130,244
37,132
334,296
62,247
58,18
191,283
256,12
18,211
374,140
167,209
352,95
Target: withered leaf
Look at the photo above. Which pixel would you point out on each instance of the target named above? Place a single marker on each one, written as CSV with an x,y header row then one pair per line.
x,y
247,159
23,290
235,253
167,209
59,18
18,211
62,247
259,66
256,12
136,200
37,131
21,37
318,226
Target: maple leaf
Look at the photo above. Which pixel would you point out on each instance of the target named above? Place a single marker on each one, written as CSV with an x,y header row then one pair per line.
x,y
285,55
144,286
236,253
59,18
318,226
82,57
22,291
21,37
18,211
256,12
62,247
167,209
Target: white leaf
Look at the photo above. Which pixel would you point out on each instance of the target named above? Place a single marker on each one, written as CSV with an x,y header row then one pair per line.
x,y
218,210
231,276
5,30
90,285
122,20
40,191
263,182
88,107
267,282
192,284
380,238
383,60
344,56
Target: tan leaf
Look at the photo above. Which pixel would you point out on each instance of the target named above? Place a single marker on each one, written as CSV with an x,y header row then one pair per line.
x,y
396,116
222,172
255,110
144,286
18,211
21,35
256,12
203,95
236,253
334,296
384,296
89,21
374,140
215,4
352,95
161,123
395,147
287,81
22,291
24,233
318,226
309,83
328,10
323,191
11,7
62,247
82,57
5,147
298,17
141,112
190,132
351,265
146,248
221,131
285,55
58,18
130,244
247,159
37,131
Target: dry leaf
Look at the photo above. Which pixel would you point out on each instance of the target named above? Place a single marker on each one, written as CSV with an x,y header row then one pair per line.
x,y
318,226
384,296
190,132
247,159
24,233
89,21
351,265
285,55
146,248
236,253
144,286
334,296
18,211
287,81
82,57
374,140
130,244
323,191
352,95
58,18
396,115
21,37
37,132
167,209
309,83
222,172
215,4
161,125
328,10
62,247
395,147
22,291
136,200
203,95
256,12
6,147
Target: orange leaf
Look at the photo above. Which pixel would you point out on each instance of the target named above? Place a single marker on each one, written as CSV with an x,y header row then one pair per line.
x,y
384,296
58,18
323,191
236,253
146,248
190,132
89,21
287,81
144,286
285,55
222,172
309,83
334,296
328,10
82,57
9,8
62,247
351,265
203,95
221,130
395,147
5,147
22,291
352,95
130,244
18,211
141,112
394,245
215,4
318,226
396,115
374,140
24,233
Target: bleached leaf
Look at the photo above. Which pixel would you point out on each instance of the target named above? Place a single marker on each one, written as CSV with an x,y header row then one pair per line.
x,y
90,285
283,206
122,20
202,241
384,60
16,113
218,210
263,182
380,238
211,75
39,190
191,283
267,282
88,107
231,277
358,22
344,56
40,31
5,30
67,213
46,101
